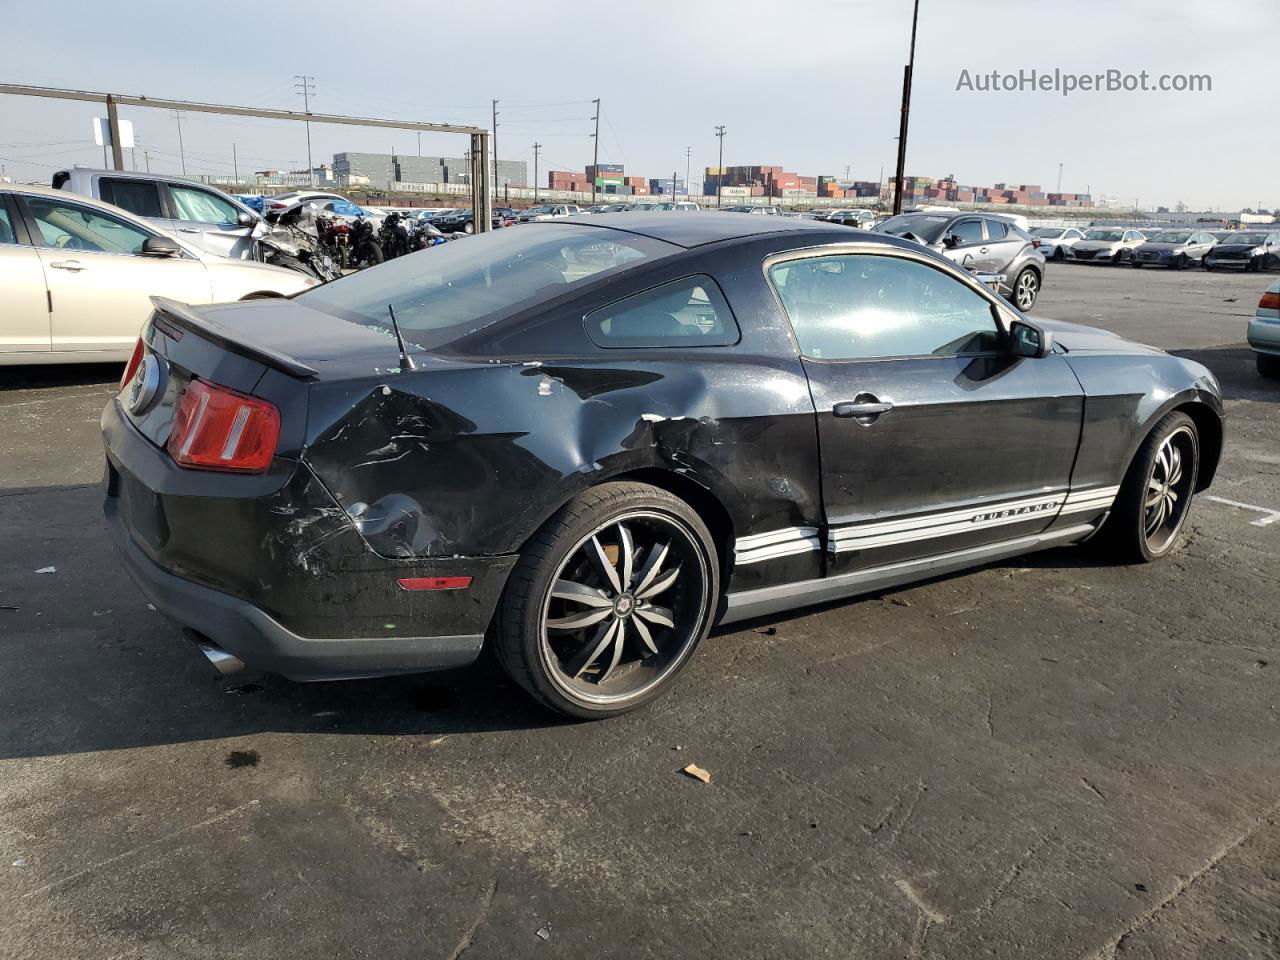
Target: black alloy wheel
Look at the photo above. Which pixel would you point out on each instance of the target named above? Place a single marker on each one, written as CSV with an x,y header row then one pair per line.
x,y
609,600
1151,510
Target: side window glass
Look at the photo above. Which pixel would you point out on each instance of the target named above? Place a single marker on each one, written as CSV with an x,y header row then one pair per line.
x,y
201,206
69,226
997,230
966,231
691,312
7,234
139,197
863,307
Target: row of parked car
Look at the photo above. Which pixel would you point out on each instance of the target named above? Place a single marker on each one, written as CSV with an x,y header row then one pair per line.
x,y
1174,247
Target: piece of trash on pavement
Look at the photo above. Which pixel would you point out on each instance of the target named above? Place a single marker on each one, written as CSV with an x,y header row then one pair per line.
x,y
695,771
544,932
47,570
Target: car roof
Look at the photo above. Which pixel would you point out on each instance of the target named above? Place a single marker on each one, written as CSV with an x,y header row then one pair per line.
x,y
686,231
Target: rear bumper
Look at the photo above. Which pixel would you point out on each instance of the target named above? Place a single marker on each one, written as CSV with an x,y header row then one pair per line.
x,y
272,570
1264,335
263,643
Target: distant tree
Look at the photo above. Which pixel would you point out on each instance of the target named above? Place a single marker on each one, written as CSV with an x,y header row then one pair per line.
x,y
1181,207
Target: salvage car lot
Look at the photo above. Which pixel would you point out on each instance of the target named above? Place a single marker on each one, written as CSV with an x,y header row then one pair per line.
x,y
1049,758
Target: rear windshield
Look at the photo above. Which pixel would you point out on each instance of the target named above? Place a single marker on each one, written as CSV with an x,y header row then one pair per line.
x,y
1254,239
449,291
1108,235
1170,238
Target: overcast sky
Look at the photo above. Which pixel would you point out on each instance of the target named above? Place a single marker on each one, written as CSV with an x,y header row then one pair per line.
x,y
813,85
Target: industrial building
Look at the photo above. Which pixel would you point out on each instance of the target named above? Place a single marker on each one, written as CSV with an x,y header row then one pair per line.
x,y
385,169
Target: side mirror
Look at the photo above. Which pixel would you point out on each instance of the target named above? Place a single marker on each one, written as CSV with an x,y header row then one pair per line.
x,y
1026,340
246,219
160,247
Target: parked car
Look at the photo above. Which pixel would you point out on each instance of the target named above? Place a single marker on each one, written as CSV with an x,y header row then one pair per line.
x,y
1246,250
983,243
862,219
76,277
283,201
682,205
1114,244
682,462
1056,242
344,211
206,218
1264,333
750,208
550,211
1175,249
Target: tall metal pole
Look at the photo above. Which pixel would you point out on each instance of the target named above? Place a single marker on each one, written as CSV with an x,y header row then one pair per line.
x,y
595,154
1059,178
536,148
182,153
674,175
235,163
113,121
720,168
495,146
306,86
688,160
906,110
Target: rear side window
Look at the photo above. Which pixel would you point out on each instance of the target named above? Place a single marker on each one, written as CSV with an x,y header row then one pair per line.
x,y
139,197
967,231
996,230
6,228
690,312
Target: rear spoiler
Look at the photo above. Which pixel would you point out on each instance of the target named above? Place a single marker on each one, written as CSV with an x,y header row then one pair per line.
x,y
183,315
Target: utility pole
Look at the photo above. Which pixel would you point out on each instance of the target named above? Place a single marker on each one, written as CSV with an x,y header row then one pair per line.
x,y
720,168
146,155
495,146
688,161
847,167
906,110
307,87
536,148
674,175
113,124
595,154
182,153
1059,178
235,163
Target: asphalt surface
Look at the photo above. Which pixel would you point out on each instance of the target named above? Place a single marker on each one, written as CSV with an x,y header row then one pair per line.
x,y
1050,758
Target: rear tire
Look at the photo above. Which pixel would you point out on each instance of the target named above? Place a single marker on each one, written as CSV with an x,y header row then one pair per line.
x,y
1150,513
1268,365
1135,264
1058,254
1026,289
590,648
293,263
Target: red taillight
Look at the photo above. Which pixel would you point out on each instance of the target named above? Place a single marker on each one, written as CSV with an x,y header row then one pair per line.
x,y
342,228
435,583
219,429
131,367
1270,300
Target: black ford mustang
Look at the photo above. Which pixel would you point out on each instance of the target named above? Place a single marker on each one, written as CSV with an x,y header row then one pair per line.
x,y
590,440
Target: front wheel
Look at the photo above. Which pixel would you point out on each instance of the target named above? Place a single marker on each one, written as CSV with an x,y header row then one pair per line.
x,y
1135,264
370,253
1155,498
1059,255
293,263
609,601
1268,366
468,227
1026,289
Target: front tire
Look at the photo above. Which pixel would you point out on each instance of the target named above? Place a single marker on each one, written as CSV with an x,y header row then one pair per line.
x,y
1135,264
1268,365
609,601
1151,510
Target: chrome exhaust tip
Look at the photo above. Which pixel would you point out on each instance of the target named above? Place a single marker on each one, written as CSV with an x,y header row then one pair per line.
x,y
225,663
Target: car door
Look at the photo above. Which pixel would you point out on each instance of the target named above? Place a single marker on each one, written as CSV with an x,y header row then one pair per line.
x,y
24,317
1004,243
1205,243
99,281
965,243
139,197
934,438
210,221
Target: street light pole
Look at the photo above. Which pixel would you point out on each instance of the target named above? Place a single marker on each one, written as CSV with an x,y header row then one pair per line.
x,y
720,168
688,160
495,146
182,153
906,110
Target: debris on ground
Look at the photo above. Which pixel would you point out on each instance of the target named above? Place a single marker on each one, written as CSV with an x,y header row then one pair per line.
x,y
544,932
47,570
242,758
695,771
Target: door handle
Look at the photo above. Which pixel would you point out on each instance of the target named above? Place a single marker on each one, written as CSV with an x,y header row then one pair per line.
x,y
866,408
984,250
73,265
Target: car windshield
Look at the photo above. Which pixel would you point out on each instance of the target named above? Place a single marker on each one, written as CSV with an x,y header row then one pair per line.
x,y
442,294
1107,235
927,228
1047,233
1171,237
1253,239
538,211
